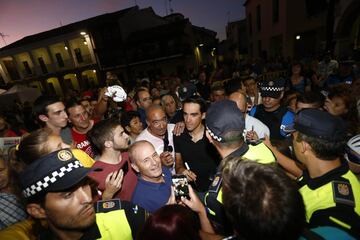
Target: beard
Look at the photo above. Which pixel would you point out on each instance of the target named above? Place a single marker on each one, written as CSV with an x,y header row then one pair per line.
x,y
74,223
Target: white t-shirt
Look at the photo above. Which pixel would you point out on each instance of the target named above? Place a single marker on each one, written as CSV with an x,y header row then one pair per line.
x,y
259,127
158,143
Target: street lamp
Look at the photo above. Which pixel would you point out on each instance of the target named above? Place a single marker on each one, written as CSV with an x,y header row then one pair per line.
x,y
297,37
201,44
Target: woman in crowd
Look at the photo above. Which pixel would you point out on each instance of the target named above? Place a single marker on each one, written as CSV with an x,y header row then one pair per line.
x,y
297,81
340,102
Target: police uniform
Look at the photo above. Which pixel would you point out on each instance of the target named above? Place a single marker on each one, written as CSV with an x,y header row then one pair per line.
x,y
332,199
213,198
60,171
221,118
114,220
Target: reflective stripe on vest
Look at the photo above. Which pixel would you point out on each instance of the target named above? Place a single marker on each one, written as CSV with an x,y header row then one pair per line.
x,y
113,225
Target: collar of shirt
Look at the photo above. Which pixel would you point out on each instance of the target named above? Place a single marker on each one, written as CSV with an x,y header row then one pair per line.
x,y
238,152
314,183
90,233
166,174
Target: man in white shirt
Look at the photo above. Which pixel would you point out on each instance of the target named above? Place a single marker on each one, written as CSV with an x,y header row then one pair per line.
x,y
160,134
251,124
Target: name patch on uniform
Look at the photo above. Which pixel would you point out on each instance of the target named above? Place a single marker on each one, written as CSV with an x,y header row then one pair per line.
x,y
343,193
108,205
216,183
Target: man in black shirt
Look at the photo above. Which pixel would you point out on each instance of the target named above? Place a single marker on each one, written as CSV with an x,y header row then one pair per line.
x,y
274,115
195,156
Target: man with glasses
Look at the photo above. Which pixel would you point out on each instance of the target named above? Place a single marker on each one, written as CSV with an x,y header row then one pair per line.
x,y
153,189
143,101
159,134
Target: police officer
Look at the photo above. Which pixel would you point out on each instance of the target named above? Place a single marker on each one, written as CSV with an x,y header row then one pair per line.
x,y
274,115
331,192
225,128
58,191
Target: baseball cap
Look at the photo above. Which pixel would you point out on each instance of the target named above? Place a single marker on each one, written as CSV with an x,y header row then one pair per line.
x,y
318,124
272,88
55,172
222,117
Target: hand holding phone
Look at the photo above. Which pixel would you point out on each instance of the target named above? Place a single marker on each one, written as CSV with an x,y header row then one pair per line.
x,y
181,187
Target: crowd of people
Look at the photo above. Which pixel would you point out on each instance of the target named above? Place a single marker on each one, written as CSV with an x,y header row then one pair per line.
x,y
262,158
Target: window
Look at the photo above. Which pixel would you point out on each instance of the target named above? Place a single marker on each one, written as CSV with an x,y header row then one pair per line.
x,y
27,67
42,65
275,11
258,18
78,55
59,60
250,24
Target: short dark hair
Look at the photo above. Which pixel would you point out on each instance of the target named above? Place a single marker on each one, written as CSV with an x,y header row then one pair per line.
x,y
312,97
232,139
322,148
232,86
197,100
261,201
41,103
126,118
171,222
136,95
101,132
217,87
72,103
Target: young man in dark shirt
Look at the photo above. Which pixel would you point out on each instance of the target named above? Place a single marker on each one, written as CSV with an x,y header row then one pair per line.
x,y
274,115
195,156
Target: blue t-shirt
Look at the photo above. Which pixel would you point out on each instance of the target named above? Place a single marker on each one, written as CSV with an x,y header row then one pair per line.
x,y
152,196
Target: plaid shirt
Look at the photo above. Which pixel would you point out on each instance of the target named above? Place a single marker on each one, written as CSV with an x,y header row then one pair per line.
x,y
11,210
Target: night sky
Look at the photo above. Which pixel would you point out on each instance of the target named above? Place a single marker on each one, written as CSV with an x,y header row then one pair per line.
x,y
20,18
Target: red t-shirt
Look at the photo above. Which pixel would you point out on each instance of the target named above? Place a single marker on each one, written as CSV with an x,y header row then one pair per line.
x,y
11,133
81,142
129,181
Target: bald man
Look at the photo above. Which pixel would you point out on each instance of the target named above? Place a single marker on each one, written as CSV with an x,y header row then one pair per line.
x,y
153,188
160,134
251,124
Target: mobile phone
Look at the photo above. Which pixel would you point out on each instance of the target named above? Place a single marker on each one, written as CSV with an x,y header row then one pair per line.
x,y
168,148
181,187
125,168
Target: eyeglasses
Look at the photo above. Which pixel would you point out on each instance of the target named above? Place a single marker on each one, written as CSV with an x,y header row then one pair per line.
x,y
157,123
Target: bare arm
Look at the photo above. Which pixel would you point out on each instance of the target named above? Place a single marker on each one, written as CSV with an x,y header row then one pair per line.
x,y
180,169
287,163
195,204
102,104
179,164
